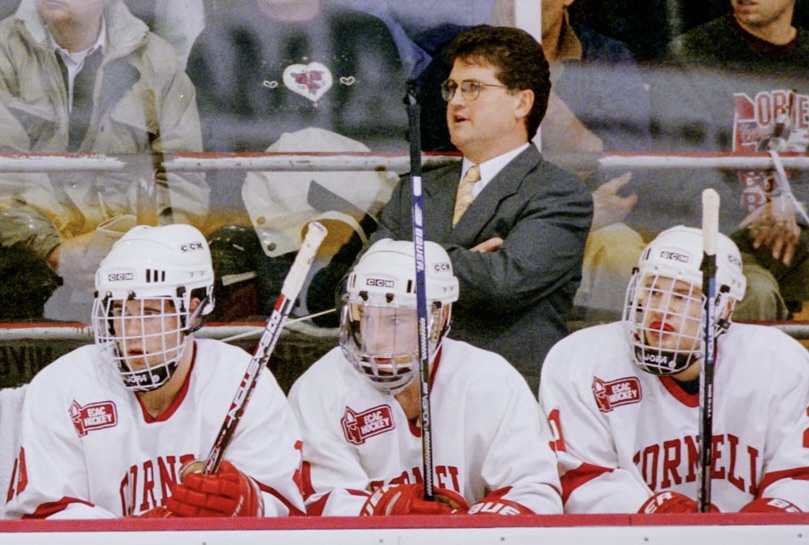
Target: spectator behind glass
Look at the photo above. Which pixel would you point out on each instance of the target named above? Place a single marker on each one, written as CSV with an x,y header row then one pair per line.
x,y
267,68
86,76
598,103
517,249
647,26
739,83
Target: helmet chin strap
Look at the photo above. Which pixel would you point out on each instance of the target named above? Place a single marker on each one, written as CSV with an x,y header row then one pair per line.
x,y
157,377
676,362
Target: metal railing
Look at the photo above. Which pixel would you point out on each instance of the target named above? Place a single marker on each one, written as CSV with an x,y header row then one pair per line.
x,y
369,161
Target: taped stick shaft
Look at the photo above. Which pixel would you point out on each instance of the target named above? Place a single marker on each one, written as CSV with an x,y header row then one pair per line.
x,y
421,296
272,331
710,234
710,221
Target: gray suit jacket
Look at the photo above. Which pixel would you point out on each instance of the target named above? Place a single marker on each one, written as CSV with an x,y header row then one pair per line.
x,y
514,301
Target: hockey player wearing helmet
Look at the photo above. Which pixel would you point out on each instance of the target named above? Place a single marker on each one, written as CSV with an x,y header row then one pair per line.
x,y
108,428
359,410
663,311
379,323
121,91
623,398
151,295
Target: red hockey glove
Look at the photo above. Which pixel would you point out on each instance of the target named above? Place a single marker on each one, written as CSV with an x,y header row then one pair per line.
x,y
494,504
671,502
226,493
157,513
770,505
408,499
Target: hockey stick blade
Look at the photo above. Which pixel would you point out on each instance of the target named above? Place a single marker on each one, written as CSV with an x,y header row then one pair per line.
x,y
272,331
710,234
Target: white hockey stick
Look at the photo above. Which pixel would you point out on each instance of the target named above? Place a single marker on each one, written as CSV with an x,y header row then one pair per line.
x,y
421,296
286,300
710,232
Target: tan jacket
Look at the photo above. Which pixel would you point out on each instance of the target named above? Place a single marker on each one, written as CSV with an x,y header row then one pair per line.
x,y
143,104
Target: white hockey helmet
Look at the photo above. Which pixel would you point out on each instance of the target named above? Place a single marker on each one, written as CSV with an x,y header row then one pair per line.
x,y
378,324
672,342
166,267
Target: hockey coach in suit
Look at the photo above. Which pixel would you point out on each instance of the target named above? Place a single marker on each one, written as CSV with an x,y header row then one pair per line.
x,y
513,224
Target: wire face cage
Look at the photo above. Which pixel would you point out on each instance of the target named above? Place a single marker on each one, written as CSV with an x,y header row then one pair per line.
x,y
145,338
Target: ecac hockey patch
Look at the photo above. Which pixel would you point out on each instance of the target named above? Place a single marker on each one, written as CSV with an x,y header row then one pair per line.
x,y
358,427
95,416
615,393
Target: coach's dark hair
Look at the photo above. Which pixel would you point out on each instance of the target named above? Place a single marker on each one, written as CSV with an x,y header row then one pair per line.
x,y
517,58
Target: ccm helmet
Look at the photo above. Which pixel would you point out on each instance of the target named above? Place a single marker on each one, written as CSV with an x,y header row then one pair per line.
x,y
672,341
144,288
378,324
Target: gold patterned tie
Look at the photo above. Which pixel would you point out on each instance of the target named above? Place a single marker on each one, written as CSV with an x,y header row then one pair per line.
x,y
464,196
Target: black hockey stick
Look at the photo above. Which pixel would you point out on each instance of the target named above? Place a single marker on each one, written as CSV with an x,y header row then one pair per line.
x,y
421,294
710,232
272,331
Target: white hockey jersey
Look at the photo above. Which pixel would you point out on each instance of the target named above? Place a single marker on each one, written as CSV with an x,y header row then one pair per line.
x,y
90,450
622,433
487,435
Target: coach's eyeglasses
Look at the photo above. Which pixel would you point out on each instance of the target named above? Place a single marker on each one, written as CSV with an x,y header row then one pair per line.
x,y
470,89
